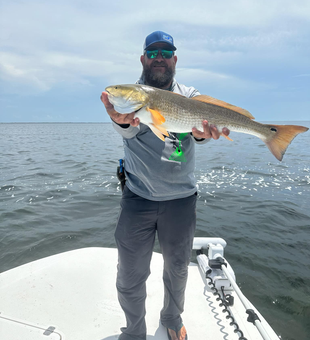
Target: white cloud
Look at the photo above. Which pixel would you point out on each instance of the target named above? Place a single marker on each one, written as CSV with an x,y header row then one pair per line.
x,y
303,75
44,70
18,73
206,80
45,44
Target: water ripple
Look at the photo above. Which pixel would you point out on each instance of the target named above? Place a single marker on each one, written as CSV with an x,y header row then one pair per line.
x,y
58,191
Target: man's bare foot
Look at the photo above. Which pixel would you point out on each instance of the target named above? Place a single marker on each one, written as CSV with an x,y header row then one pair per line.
x,y
180,336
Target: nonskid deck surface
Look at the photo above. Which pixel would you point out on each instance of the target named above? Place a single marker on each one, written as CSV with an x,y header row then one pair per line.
x,y
72,296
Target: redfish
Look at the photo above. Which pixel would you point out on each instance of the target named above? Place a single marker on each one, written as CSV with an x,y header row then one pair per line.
x,y
165,111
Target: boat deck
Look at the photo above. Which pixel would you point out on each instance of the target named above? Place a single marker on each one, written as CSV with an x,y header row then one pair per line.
x,y
73,296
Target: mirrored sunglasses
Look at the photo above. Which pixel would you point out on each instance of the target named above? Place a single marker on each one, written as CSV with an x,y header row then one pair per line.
x,y
154,53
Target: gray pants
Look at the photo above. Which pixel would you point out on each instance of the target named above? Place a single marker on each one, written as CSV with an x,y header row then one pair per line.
x,y
138,222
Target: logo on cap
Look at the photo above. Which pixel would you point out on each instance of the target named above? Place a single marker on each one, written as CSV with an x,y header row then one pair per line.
x,y
168,38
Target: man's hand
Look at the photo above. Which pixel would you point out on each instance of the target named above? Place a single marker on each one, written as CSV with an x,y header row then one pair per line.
x,y
209,131
118,117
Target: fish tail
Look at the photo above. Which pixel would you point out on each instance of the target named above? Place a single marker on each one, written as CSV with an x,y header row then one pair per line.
x,y
283,136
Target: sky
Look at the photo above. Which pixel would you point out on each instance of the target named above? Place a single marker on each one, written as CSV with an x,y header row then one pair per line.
x,y
56,57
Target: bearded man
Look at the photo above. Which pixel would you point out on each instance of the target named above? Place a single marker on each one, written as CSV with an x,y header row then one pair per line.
x,y
159,197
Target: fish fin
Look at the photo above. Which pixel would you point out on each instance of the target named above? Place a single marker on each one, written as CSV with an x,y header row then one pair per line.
x,y
222,134
156,131
214,101
162,130
157,117
284,134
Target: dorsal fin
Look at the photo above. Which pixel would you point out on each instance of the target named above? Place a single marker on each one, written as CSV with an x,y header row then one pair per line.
x,y
214,101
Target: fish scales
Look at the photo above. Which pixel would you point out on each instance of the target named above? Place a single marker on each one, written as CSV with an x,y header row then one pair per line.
x,y
183,114
165,111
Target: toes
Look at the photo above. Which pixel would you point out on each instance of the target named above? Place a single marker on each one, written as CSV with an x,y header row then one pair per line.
x,y
182,333
180,336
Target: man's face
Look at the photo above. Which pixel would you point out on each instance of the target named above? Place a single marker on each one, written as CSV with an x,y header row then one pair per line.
x,y
158,72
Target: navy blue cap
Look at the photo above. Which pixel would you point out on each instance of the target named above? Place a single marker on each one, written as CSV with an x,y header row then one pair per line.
x,y
159,37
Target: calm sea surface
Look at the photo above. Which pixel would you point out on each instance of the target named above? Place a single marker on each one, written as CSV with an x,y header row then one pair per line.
x,y
59,191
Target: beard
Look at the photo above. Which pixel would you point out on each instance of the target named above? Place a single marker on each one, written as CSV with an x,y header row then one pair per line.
x,y
158,79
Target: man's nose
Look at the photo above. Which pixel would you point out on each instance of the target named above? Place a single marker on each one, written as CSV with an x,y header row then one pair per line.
x,y
159,56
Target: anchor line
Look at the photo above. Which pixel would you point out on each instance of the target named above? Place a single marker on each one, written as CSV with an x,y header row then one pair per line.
x,y
224,302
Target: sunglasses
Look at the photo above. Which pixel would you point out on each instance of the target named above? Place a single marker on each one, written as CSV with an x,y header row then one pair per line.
x,y
154,53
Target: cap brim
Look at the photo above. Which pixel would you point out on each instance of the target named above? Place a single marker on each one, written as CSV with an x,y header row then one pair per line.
x,y
173,48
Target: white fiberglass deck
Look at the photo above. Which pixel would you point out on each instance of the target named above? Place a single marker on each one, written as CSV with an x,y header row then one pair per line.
x,y
72,296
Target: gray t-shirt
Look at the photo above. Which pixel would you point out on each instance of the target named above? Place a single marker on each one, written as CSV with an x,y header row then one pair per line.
x,y
158,170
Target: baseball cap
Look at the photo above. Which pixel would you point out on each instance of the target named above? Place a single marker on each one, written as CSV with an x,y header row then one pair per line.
x,y
159,36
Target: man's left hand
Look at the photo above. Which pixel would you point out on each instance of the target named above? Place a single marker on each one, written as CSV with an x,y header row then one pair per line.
x,y
209,131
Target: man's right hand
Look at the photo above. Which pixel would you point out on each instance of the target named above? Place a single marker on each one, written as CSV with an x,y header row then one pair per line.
x,y
116,116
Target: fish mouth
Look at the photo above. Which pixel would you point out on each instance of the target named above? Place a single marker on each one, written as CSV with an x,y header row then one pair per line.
x,y
110,95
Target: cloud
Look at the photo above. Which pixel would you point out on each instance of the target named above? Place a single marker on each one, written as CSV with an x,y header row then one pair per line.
x,y
19,76
227,46
303,75
43,70
223,86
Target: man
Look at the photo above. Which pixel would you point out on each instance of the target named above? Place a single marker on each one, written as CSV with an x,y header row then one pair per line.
x,y
159,196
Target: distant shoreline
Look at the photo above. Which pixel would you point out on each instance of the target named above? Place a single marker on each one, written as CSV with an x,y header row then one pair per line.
x,y
264,122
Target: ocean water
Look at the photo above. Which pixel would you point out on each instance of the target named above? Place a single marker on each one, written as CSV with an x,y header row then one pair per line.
x,y
59,191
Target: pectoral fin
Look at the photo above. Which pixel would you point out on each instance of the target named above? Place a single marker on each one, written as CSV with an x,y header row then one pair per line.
x,y
214,101
157,117
156,127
